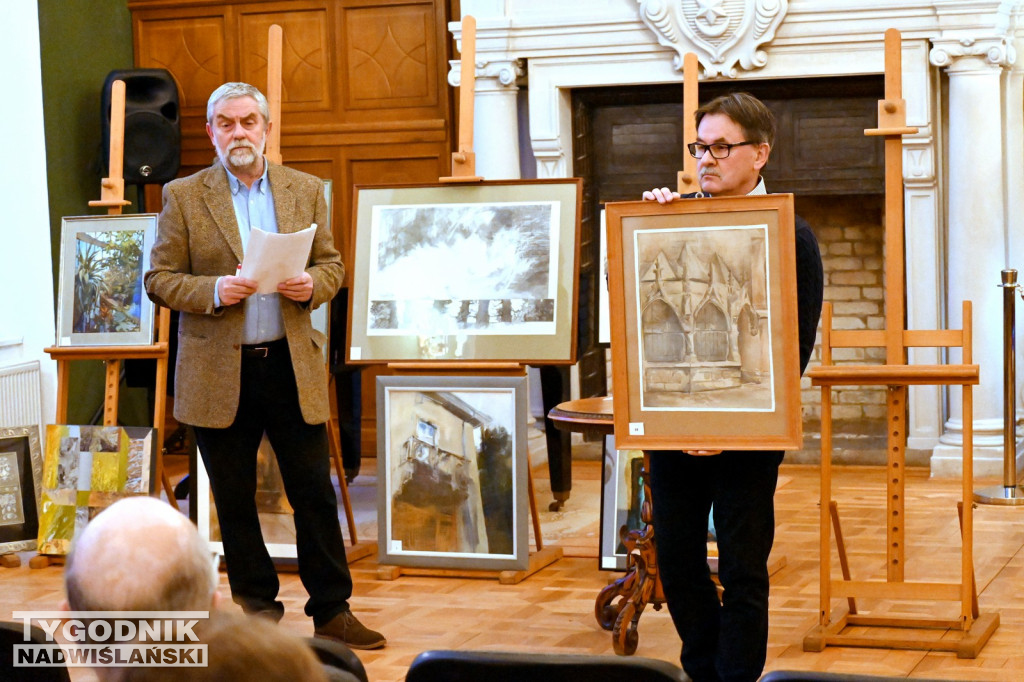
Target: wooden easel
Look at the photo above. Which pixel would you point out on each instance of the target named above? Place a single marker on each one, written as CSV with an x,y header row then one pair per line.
x,y
686,179
620,604
967,634
464,170
112,198
275,40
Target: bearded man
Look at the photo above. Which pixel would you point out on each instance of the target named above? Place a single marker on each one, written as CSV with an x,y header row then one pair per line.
x,y
250,363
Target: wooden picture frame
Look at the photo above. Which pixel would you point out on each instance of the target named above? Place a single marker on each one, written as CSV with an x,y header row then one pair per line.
x,y
622,495
21,475
102,300
705,344
85,470
482,271
452,472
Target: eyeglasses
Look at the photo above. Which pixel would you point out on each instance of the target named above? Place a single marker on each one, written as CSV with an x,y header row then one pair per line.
x,y
719,150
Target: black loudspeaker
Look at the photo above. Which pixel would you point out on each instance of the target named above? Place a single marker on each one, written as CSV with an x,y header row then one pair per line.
x,y
152,127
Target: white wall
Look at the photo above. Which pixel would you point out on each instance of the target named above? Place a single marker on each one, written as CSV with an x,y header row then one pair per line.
x,y
26,288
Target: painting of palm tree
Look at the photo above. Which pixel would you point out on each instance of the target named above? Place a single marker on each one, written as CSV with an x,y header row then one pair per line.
x,y
103,262
108,282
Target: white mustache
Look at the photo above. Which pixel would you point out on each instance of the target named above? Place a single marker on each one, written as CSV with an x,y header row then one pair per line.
x,y
706,173
242,144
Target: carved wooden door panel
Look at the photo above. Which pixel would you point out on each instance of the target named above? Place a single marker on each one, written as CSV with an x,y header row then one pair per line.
x,y
365,98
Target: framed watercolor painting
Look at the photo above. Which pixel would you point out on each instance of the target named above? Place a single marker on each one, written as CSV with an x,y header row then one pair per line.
x,y
452,472
21,475
478,271
85,470
705,350
102,301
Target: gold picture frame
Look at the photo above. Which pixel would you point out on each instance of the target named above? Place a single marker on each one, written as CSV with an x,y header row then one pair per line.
x,y
705,347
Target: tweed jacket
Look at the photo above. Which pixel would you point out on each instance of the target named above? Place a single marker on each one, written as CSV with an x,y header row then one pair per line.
x,y
197,242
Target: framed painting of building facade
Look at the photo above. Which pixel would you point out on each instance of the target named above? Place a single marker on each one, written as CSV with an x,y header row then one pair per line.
x,y
705,349
21,475
452,472
102,301
466,271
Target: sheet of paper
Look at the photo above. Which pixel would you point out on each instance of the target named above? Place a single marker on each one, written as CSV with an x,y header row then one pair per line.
x,y
271,258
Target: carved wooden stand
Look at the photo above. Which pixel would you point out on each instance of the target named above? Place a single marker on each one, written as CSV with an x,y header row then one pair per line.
x,y
639,587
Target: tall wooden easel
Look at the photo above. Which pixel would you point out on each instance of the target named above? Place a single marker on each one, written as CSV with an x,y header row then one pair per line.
x,y
275,41
112,198
967,634
464,170
618,606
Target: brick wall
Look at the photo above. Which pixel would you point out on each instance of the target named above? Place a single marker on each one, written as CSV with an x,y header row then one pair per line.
x,y
850,234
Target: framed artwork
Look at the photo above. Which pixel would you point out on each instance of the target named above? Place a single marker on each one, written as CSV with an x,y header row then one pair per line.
x,y
277,522
21,475
705,349
102,301
622,496
452,472
478,271
85,470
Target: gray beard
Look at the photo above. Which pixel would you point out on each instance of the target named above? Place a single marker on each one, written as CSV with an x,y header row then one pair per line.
x,y
229,161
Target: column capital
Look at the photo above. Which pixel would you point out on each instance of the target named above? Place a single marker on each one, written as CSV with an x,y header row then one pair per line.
x,y
501,72
993,51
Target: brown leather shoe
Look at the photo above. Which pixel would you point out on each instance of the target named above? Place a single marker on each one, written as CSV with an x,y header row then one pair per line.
x,y
347,629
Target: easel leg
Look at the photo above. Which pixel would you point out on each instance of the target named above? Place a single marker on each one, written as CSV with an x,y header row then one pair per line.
x,y
537,538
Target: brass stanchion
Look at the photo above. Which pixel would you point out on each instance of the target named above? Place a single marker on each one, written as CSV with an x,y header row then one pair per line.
x,y
1009,493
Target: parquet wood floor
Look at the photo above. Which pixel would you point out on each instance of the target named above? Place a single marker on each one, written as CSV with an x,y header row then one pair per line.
x,y
552,611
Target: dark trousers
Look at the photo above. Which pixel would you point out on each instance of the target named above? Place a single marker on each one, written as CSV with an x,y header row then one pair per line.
x,y
269,402
724,640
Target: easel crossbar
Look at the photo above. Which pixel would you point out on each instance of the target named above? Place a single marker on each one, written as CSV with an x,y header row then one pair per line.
x,y
912,338
902,591
885,375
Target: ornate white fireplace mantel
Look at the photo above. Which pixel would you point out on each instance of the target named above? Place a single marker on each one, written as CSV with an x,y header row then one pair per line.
x,y
963,181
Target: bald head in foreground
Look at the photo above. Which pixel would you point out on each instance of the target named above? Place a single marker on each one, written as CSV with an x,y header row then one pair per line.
x,y
140,554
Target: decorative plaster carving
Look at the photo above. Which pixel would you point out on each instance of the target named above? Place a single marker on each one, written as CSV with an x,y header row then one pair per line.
x,y
720,32
996,51
918,162
504,71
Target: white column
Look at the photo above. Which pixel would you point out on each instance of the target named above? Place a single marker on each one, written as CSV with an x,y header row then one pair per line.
x,y
496,121
977,241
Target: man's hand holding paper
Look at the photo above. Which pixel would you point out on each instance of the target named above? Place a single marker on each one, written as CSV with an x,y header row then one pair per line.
x,y
277,262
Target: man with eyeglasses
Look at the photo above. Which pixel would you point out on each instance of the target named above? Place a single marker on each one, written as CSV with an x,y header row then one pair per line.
x,y
727,640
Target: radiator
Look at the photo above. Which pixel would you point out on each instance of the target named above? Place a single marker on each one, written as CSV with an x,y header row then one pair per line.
x,y
21,402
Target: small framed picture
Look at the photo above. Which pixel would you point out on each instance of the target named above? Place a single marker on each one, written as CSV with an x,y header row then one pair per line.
x,y
452,472
482,271
21,475
622,497
705,346
102,301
